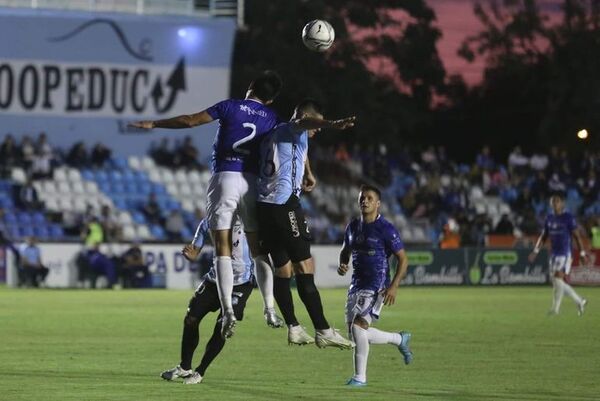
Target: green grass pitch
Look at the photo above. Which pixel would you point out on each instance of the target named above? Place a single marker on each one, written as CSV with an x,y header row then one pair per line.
x,y
469,344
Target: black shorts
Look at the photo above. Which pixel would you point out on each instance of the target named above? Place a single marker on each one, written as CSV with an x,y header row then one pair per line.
x,y
283,231
206,299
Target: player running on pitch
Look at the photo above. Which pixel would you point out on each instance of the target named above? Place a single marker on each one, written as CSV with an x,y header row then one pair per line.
x,y
283,229
232,186
371,240
206,300
560,227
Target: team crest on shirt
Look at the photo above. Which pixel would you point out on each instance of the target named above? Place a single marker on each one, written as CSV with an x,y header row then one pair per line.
x,y
360,239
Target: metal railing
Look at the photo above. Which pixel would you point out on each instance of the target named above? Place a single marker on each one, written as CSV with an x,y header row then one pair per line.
x,y
174,7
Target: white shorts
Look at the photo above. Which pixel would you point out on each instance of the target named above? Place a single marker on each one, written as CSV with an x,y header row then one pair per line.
x,y
560,263
364,303
231,194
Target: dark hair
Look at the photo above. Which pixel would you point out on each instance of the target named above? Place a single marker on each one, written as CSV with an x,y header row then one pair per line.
x,y
367,187
559,195
308,105
267,86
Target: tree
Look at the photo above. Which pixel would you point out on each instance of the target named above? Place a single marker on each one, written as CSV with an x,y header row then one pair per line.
x,y
400,33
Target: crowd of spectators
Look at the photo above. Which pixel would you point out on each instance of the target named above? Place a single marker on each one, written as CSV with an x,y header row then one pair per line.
x,y
182,154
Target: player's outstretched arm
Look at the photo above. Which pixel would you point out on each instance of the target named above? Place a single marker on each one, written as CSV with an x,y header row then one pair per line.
x,y
183,121
309,123
538,245
193,249
389,294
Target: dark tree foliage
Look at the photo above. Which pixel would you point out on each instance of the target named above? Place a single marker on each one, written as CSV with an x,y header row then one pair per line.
x,y
339,77
542,77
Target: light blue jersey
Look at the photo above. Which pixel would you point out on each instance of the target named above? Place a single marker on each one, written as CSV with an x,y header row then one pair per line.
x,y
243,265
282,159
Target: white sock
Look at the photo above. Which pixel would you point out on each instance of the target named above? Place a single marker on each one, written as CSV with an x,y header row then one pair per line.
x,y
264,279
224,273
383,337
557,294
567,289
361,352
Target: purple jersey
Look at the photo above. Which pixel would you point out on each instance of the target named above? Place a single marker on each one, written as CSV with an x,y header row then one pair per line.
x,y
241,125
371,245
559,228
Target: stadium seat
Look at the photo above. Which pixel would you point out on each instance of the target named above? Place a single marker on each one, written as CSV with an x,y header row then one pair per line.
x,y
63,187
65,203
119,162
101,176
143,232
187,205
60,174
18,175
24,218
131,188
158,232
79,205
73,175
87,175
194,177
172,188
10,218
49,187
134,162
144,188
154,176
26,231
159,189
184,189
117,188
115,176
77,187
6,203
167,176
147,163
38,218
91,188
52,204
56,231
41,232
124,218
181,176
129,233
138,217
120,203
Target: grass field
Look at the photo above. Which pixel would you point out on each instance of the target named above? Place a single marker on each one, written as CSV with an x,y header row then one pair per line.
x,y
469,344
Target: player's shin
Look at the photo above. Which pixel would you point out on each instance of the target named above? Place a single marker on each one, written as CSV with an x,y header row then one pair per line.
x,y
570,292
224,273
557,294
283,296
264,279
383,337
309,294
361,352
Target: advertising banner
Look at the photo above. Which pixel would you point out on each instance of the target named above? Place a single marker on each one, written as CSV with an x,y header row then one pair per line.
x,y
506,266
84,77
588,274
435,267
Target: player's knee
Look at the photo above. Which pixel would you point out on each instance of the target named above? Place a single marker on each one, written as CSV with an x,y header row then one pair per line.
x,y
306,284
360,322
190,321
559,274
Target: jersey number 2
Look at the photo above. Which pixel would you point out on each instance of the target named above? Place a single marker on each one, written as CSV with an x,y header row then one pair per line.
x,y
237,144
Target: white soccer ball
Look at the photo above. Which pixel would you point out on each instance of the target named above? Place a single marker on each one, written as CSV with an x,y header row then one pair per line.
x,y
318,35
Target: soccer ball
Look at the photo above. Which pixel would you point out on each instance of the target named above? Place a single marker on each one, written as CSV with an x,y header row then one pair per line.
x,y
318,35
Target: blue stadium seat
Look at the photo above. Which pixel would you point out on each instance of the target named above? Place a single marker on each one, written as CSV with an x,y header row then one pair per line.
x,y
41,232
87,174
119,162
101,176
138,217
13,232
144,188
115,176
140,176
6,203
56,231
129,177
120,203
173,205
104,186
24,218
158,232
117,187
10,218
26,231
38,218
131,188
159,189
186,233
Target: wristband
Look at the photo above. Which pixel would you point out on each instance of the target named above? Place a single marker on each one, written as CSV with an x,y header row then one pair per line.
x,y
536,250
582,254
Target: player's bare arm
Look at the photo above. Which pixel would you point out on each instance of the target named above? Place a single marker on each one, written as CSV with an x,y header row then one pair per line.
x,y
538,245
389,294
311,123
308,181
582,253
183,121
191,252
344,260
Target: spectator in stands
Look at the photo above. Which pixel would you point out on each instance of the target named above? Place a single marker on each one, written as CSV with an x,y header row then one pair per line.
x,y
174,225
27,152
161,153
42,159
101,265
31,269
152,209
529,225
134,271
93,234
110,224
538,161
484,159
100,155
504,226
187,154
450,237
28,196
78,156
517,161
382,167
10,155
341,154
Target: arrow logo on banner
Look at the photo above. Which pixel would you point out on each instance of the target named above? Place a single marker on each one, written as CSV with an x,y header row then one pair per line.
x,y
176,83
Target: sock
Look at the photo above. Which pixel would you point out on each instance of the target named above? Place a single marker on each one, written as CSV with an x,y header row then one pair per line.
x,y
557,294
283,296
213,348
361,352
189,342
264,279
224,272
383,337
309,294
567,289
